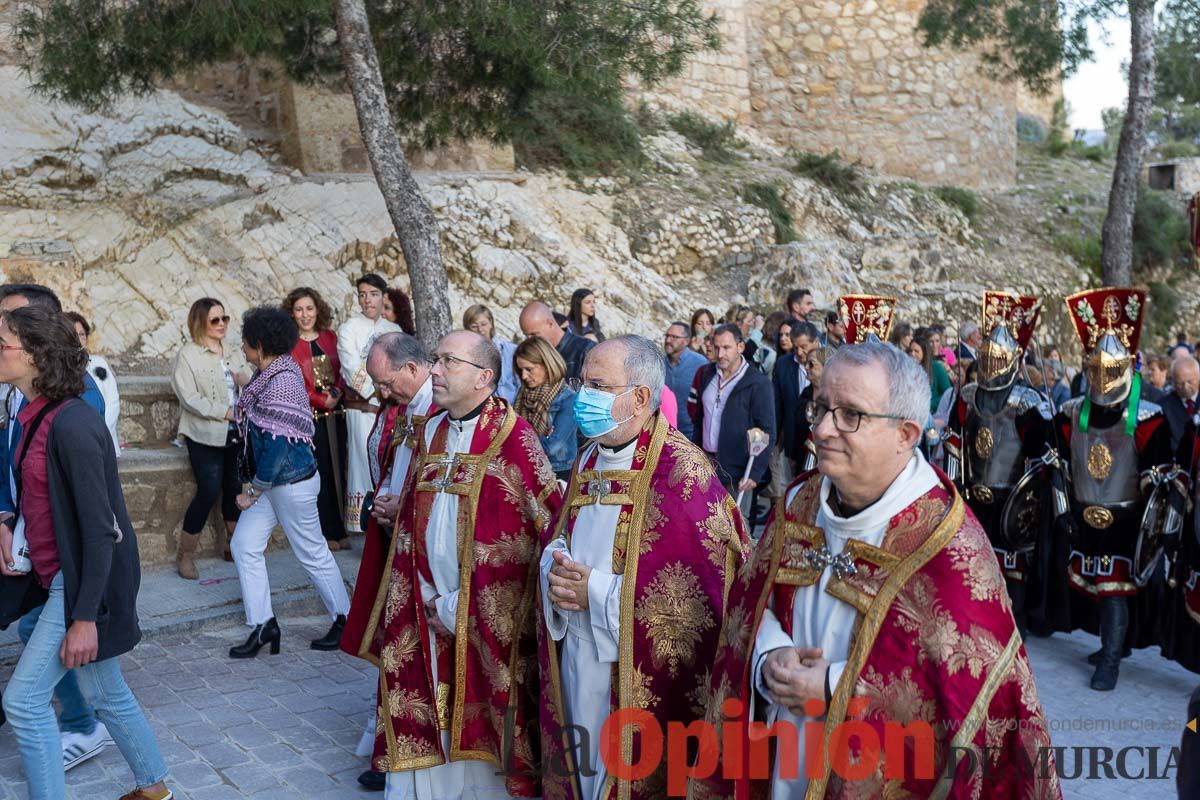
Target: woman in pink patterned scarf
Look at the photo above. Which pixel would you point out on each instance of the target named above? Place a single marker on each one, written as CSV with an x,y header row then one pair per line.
x,y
278,463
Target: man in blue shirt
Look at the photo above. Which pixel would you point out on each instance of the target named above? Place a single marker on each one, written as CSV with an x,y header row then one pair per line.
x,y
682,363
83,735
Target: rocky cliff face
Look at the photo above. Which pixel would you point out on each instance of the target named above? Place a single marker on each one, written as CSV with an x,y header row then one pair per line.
x,y
133,213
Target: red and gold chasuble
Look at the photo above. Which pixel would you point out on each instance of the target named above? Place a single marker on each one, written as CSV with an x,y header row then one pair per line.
x,y
374,564
679,543
507,498
934,641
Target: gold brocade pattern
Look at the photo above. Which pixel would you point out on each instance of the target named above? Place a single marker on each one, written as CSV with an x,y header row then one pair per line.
x,y
897,696
676,614
718,531
398,653
509,548
1099,461
692,469
498,604
973,559
398,595
643,695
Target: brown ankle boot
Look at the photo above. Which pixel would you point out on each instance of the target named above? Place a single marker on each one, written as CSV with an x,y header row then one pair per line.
x,y
185,562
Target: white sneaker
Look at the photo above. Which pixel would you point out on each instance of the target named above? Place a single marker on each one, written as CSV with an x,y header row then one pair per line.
x,y
79,747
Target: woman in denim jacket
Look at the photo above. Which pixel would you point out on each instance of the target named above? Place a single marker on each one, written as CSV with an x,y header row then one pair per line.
x,y
546,402
277,426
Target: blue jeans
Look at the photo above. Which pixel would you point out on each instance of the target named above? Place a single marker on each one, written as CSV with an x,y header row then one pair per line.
x,y
77,716
27,704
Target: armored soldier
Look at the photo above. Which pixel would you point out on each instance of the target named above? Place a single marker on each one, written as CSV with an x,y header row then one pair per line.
x,y
1120,458
1002,427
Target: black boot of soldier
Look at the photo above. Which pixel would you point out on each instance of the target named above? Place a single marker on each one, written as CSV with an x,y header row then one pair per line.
x,y
1114,623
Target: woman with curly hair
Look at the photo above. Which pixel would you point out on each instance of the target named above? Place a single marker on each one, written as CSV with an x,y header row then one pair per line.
x,y
84,556
276,423
398,308
316,355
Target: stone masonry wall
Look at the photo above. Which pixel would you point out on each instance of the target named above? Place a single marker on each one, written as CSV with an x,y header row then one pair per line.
x,y
720,82
852,76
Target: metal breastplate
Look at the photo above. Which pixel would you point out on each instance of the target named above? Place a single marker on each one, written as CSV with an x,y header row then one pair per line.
x,y
1104,464
995,454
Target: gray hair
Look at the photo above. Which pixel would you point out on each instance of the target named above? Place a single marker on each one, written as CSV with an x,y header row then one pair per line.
x,y
967,330
488,355
400,348
644,365
908,385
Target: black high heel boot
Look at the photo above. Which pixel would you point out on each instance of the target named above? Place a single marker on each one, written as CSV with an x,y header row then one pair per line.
x,y
267,633
330,640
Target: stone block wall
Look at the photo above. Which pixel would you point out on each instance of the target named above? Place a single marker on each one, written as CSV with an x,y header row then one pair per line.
x,y
819,75
853,76
720,82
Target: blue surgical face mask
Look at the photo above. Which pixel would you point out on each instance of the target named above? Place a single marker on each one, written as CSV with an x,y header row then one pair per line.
x,y
593,412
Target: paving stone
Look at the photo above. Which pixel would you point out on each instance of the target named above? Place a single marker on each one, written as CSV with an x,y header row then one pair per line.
x,y
286,728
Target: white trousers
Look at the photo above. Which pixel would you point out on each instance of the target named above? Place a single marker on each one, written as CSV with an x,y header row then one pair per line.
x,y
294,507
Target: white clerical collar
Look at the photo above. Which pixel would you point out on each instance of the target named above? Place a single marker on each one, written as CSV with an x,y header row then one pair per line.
x,y
916,479
624,455
421,399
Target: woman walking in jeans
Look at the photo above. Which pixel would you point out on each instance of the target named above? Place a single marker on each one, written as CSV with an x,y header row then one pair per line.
x,y
277,425
84,554
205,380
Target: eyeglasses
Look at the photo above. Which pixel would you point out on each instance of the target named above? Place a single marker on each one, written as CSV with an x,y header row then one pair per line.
x,y
447,361
219,320
673,336
846,420
578,383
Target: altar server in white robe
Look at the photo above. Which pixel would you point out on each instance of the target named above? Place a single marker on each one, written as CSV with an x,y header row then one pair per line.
x,y
355,337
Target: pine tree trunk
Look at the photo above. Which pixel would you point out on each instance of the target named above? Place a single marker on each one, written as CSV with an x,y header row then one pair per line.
x,y
412,217
1117,237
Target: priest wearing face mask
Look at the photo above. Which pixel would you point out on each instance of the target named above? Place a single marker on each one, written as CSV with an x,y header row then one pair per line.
x,y
638,563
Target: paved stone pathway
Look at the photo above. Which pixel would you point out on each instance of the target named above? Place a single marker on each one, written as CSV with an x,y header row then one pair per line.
x,y
285,727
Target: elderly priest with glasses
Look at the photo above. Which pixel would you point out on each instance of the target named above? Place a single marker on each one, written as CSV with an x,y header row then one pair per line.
x,y
874,599
633,578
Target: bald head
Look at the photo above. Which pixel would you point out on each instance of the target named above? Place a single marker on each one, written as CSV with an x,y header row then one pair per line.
x,y
1185,375
538,320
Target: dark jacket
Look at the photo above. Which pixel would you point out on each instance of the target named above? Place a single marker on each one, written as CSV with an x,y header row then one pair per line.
x,y
1177,417
751,404
573,349
97,546
788,411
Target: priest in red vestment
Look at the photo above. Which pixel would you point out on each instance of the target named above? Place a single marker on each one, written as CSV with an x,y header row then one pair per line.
x,y
873,604
453,625
634,577
399,368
